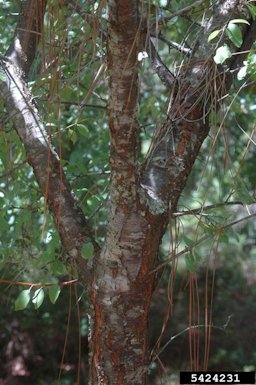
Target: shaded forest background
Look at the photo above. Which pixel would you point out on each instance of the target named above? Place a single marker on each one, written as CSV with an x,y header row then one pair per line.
x,y
33,341
71,90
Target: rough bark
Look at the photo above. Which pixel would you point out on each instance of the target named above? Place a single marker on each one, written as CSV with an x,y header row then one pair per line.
x,y
69,219
139,206
121,293
200,85
141,198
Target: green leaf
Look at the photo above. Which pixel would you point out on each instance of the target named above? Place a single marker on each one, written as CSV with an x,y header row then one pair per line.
x,y
38,298
240,21
58,268
87,250
231,233
22,300
222,54
234,33
2,76
54,292
82,129
214,34
252,59
197,257
72,135
242,73
252,9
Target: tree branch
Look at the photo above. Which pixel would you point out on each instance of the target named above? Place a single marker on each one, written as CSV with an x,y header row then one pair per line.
x,y
123,46
70,222
202,209
160,68
176,144
27,35
180,12
204,238
172,44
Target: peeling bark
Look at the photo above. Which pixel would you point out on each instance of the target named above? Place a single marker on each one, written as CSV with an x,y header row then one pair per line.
x,y
123,43
120,294
121,281
69,219
200,85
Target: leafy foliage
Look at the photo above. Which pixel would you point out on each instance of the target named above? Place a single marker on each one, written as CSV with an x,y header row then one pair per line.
x,y
22,300
70,85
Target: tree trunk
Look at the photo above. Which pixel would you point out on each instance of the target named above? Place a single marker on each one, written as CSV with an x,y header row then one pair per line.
x,y
122,286
140,203
142,197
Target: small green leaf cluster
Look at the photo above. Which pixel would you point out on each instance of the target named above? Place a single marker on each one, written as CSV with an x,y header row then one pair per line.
x,y
36,297
234,34
248,68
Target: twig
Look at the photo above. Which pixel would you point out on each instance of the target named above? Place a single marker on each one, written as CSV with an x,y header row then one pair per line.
x,y
31,284
200,210
165,20
70,103
186,249
222,328
172,44
160,68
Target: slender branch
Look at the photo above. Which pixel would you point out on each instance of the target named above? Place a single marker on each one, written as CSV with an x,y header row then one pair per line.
x,y
172,44
69,218
187,249
160,68
31,284
165,20
72,103
200,210
222,328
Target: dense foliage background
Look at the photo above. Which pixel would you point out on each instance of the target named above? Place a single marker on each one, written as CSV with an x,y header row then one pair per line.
x,y
69,81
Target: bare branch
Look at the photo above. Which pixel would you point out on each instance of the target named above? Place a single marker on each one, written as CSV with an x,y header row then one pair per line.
x,y
165,20
211,326
202,209
187,249
172,44
160,68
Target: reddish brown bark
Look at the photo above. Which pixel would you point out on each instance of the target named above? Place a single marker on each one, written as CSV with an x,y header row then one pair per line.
x,y
121,281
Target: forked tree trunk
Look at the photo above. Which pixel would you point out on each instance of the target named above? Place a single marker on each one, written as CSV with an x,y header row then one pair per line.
x,y
122,285
120,282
